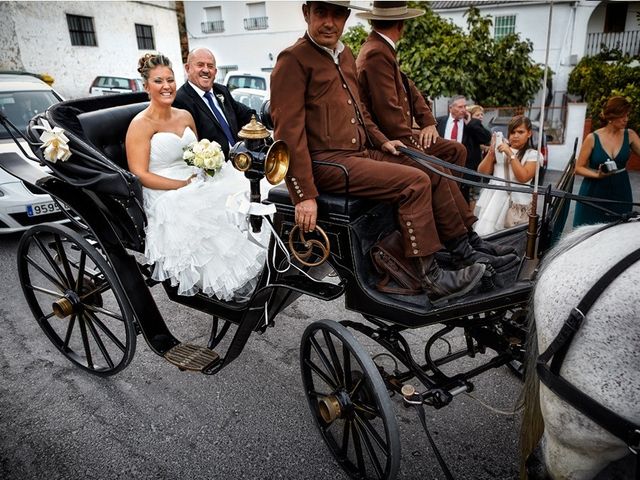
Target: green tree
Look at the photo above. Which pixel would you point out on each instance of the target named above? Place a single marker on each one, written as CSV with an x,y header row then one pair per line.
x,y
597,78
442,59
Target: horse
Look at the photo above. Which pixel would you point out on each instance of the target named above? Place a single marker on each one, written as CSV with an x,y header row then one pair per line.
x,y
602,361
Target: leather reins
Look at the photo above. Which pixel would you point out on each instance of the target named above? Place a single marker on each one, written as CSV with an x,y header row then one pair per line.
x,y
609,420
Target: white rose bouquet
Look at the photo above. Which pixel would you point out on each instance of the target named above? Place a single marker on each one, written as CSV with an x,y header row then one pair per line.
x,y
204,154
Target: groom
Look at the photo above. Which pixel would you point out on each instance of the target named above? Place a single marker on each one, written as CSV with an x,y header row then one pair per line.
x,y
217,115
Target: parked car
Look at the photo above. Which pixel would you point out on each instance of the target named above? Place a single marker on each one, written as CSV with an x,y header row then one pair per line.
x,y
500,124
254,80
251,97
105,85
22,205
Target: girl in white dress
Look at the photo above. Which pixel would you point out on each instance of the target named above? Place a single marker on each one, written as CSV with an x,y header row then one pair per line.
x,y
522,160
190,239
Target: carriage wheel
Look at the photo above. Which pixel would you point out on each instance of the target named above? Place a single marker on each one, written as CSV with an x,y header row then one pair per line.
x,y
349,402
76,299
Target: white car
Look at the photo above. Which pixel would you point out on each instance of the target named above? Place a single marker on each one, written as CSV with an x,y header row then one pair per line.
x,y
251,97
21,205
253,80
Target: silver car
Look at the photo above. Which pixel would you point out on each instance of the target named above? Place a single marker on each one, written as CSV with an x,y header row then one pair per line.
x,y
21,205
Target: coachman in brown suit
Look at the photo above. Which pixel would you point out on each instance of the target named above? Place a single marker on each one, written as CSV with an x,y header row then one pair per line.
x,y
317,110
395,105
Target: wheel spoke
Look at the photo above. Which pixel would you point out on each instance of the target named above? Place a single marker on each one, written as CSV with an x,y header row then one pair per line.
x,y
106,331
63,259
365,424
370,450
346,356
334,356
83,259
366,409
67,336
98,340
44,273
104,311
43,290
344,448
103,287
85,342
313,393
46,317
325,360
357,447
329,381
52,263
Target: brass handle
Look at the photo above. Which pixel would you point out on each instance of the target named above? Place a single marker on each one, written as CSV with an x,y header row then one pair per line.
x,y
309,245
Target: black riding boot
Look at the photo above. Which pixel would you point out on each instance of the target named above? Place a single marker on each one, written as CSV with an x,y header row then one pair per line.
x,y
481,245
464,254
446,284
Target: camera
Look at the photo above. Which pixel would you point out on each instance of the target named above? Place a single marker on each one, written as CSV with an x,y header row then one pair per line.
x,y
609,166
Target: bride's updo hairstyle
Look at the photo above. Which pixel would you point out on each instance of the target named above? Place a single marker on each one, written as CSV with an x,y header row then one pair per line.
x,y
150,61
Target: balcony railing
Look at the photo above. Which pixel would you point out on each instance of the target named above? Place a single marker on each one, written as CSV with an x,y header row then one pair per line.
x,y
256,23
628,42
216,26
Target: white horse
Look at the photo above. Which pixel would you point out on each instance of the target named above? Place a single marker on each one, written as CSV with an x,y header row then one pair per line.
x,y
603,360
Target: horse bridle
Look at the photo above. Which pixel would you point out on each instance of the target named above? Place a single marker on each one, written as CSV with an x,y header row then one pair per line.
x,y
613,423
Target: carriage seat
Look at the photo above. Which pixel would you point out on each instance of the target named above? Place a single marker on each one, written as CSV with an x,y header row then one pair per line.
x,y
106,129
328,203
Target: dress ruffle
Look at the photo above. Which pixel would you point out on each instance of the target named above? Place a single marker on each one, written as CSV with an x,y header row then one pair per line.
x,y
189,238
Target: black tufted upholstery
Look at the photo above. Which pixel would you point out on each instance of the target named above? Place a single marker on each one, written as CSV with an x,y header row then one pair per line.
x,y
327,202
106,129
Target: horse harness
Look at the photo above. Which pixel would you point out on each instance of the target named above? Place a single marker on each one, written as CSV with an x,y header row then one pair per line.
x,y
613,423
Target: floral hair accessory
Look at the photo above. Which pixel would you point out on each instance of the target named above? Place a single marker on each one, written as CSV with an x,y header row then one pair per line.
x,y
54,143
204,154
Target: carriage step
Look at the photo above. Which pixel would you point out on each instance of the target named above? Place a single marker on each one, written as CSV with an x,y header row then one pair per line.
x,y
191,357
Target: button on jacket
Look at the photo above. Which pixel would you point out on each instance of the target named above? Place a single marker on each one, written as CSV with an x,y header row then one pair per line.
x,y
313,103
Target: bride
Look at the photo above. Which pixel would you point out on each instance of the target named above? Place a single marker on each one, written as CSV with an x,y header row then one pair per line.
x,y
189,238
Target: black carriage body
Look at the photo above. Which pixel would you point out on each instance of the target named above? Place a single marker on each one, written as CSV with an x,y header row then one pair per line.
x,y
96,184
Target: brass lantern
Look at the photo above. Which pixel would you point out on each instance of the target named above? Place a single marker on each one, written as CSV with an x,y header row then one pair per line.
x,y
258,156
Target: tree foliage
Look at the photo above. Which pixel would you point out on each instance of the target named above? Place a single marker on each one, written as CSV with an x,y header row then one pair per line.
x,y
609,73
442,59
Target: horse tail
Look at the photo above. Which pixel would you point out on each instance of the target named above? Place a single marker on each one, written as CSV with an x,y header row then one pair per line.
x,y
532,426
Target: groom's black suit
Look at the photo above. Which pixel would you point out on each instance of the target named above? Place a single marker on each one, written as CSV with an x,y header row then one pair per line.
x,y
237,114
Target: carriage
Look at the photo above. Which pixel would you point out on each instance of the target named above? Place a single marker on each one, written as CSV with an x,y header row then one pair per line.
x,y
90,292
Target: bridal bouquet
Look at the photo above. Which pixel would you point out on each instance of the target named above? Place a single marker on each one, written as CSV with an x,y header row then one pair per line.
x,y
204,154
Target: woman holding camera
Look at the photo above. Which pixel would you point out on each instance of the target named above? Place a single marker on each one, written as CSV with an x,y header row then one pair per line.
x,y
602,161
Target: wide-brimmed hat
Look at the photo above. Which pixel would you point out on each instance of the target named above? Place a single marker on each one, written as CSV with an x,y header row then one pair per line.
x,y
344,4
390,11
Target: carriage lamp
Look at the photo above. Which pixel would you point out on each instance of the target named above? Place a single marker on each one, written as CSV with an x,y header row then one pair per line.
x,y
258,156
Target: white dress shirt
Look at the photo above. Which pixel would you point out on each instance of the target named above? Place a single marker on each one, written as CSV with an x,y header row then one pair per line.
x,y
447,130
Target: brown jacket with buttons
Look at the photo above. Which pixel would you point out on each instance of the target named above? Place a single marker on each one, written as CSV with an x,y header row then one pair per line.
x,y
316,110
384,88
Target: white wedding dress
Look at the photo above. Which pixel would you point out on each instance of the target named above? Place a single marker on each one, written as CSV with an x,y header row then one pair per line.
x,y
191,239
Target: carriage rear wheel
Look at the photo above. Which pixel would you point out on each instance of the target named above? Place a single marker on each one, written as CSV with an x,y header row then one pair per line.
x,y
349,402
76,298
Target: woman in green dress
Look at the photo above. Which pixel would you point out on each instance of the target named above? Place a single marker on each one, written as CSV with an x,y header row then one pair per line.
x,y
613,142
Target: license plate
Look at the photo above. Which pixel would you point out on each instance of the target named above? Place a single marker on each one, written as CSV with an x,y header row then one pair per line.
x,y
42,209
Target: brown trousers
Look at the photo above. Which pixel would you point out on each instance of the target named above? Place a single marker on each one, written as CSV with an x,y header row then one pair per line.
x,y
428,211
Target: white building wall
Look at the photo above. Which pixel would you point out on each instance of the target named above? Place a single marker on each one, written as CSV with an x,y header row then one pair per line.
x,y
42,43
249,50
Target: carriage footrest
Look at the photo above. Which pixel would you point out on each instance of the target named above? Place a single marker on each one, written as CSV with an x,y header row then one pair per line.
x,y
191,357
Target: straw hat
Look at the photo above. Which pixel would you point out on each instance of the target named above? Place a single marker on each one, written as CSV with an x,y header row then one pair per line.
x,y
346,4
390,11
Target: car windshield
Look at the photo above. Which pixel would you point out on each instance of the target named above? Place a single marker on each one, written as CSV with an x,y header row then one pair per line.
x,y
251,100
20,107
246,82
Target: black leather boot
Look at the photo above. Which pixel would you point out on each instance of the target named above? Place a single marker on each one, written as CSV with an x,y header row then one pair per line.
x,y
464,254
446,284
495,249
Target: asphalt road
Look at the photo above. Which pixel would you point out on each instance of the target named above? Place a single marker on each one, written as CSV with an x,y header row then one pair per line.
x,y
249,421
